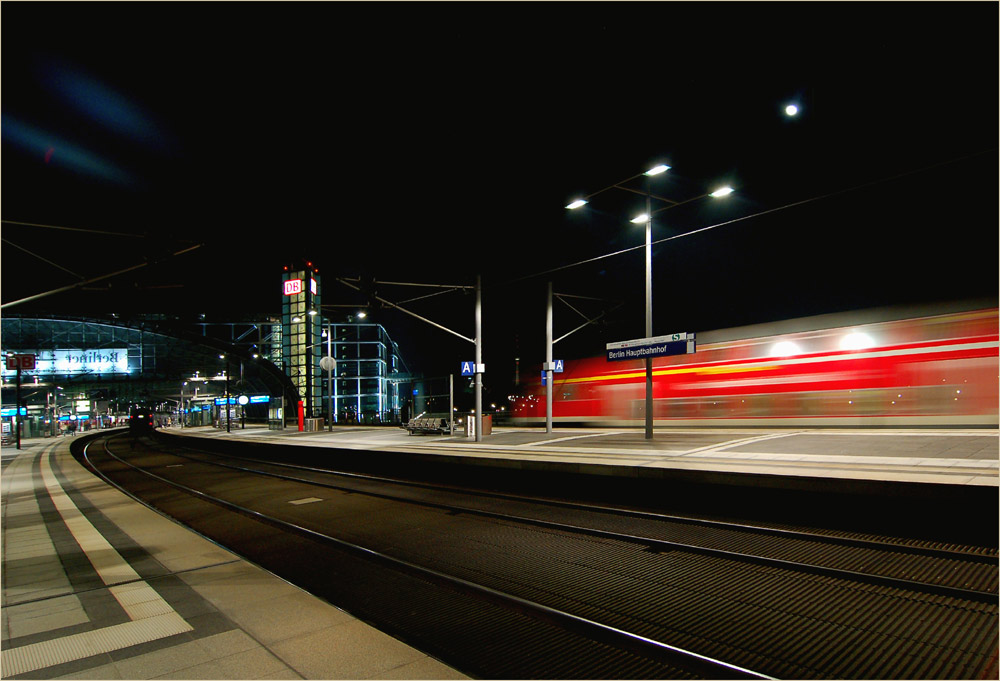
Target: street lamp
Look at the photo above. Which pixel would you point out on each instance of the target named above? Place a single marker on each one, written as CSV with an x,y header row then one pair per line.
x,y
229,412
647,218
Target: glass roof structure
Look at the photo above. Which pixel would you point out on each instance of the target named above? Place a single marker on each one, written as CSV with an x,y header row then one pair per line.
x,y
133,362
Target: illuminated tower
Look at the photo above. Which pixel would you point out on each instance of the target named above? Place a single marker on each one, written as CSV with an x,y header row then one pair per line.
x,y
300,334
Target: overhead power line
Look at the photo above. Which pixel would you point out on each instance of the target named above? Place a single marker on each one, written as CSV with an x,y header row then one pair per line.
x,y
94,279
74,229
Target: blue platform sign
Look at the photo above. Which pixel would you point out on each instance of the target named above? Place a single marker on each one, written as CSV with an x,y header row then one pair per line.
x,y
658,346
468,368
557,366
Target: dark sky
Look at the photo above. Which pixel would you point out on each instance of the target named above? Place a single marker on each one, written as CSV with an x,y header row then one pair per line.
x,y
430,142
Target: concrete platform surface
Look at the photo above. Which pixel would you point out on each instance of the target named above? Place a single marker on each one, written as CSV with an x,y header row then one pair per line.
x,y
98,586
945,456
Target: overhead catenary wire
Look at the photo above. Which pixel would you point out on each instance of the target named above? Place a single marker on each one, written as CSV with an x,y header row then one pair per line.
x,y
45,260
74,229
94,279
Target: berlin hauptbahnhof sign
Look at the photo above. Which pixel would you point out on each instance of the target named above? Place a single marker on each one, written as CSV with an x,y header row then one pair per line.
x,y
658,346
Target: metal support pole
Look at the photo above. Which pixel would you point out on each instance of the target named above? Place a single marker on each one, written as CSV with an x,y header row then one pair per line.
x,y
17,405
649,318
451,404
243,412
479,358
329,376
228,411
548,362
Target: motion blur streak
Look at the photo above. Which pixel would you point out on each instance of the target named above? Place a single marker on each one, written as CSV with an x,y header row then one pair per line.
x,y
104,106
939,370
60,153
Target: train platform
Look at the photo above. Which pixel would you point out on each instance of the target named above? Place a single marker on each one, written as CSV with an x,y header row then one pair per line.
x,y
963,457
98,586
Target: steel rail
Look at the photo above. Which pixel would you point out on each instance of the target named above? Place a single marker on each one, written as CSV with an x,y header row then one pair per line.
x,y
925,551
699,664
650,542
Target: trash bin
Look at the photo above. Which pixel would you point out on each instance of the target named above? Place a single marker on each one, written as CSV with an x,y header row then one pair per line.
x,y
470,425
312,425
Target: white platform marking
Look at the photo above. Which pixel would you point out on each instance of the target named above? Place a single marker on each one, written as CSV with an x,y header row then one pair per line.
x,y
152,617
741,441
562,439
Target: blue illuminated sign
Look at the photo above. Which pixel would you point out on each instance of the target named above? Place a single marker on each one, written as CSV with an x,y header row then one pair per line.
x,y
254,399
12,410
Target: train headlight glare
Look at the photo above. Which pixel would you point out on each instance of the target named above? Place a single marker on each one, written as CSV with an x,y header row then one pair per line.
x,y
856,340
785,349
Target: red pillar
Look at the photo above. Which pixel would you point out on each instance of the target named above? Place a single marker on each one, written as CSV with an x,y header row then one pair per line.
x,y
302,416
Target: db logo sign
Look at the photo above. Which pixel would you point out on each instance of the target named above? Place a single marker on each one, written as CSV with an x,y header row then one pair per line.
x,y
23,362
293,287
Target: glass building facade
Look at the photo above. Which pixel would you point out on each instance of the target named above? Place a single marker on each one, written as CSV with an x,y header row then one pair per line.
x,y
369,374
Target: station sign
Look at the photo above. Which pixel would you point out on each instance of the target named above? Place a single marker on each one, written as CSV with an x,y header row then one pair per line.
x,y
244,399
556,367
12,411
657,346
292,287
23,362
471,368
74,361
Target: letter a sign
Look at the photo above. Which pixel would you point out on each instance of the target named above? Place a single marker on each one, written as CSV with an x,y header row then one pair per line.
x,y
468,368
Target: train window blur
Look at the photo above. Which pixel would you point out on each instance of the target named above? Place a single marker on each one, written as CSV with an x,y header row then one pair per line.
x,y
936,370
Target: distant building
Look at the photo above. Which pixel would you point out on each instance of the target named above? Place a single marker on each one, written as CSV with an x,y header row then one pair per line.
x,y
300,335
368,372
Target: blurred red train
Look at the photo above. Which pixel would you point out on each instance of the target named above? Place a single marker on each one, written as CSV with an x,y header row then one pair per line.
x,y
859,369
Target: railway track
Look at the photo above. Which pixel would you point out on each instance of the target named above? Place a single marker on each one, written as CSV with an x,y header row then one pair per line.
x,y
658,596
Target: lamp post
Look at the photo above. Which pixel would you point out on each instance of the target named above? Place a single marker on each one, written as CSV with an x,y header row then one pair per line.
x,y
479,358
330,364
228,412
647,219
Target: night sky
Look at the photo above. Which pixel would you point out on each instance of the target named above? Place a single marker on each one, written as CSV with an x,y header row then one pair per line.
x,y
431,142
